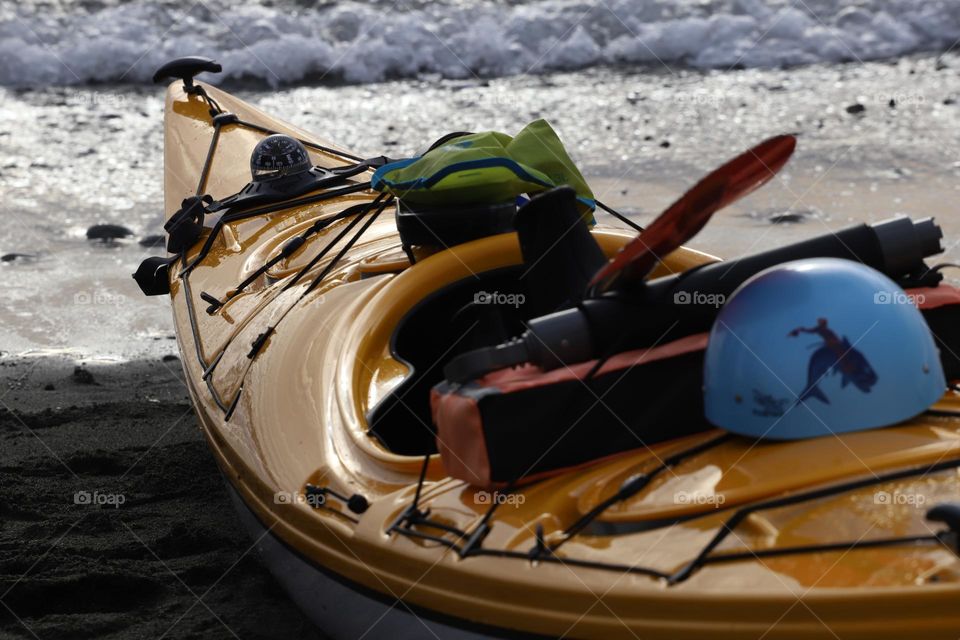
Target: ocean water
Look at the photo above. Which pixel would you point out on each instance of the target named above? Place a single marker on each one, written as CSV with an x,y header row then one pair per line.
x,y
288,42
647,96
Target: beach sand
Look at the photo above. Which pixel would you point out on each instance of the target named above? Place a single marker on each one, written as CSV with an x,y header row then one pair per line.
x,y
114,522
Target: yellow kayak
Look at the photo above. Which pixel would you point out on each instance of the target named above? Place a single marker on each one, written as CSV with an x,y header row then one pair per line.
x,y
820,538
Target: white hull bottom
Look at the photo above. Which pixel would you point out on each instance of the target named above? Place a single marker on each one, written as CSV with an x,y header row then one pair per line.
x,y
340,611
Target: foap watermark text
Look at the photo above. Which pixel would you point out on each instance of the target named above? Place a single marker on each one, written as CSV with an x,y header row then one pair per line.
x,y
315,500
898,498
487,498
898,297
98,499
699,498
503,299
699,298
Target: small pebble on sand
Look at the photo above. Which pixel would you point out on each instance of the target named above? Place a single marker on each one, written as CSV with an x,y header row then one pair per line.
x,y
107,232
82,376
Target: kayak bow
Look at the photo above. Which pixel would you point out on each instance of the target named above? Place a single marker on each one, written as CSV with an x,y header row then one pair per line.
x,y
702,535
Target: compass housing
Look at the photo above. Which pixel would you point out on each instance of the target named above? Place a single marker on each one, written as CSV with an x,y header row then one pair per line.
x,y
278,156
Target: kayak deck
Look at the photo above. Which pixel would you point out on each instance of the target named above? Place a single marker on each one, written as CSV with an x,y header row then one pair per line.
x,y
294,415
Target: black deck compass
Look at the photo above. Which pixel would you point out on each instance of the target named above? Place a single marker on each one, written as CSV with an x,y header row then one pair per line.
x,y
278,156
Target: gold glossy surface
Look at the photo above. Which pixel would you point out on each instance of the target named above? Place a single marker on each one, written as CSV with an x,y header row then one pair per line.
x,y
300,418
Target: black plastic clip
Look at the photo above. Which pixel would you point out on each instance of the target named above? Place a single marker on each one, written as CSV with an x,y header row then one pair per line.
x,y
224,118
214,303
540,546
377,162
409,517
948,514
363,165
258,342
186,225
291,246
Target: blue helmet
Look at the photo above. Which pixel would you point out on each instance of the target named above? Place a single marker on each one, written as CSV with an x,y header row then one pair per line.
x,y
815,347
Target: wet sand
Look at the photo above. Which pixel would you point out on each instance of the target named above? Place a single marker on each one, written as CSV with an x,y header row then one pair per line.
x,y
876,139
114,522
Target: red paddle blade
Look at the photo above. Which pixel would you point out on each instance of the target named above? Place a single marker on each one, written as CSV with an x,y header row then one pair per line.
x,y
685,217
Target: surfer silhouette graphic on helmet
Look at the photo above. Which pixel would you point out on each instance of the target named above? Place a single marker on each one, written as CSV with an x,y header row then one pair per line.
x,y
835,354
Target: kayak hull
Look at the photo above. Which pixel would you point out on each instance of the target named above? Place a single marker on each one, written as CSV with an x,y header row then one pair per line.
x,y
294,414
347,610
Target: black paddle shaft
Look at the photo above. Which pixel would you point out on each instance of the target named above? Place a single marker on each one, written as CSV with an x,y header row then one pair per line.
x,y
674,306
687,303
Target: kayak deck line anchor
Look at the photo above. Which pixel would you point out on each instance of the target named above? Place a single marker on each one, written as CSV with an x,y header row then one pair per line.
x,y
949,514
224,118
540,546
258,342
475,541
214,303
356,502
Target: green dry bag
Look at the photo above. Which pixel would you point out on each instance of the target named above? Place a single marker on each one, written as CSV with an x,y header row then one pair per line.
x,y
486,168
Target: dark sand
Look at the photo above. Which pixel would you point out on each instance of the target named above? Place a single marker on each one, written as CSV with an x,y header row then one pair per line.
x,y
171,561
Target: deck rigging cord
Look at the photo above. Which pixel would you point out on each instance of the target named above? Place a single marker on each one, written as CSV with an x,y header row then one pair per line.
x,y
286,251
619,216
414,516
190,220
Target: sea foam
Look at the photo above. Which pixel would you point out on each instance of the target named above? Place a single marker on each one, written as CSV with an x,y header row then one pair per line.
x,y
359,42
